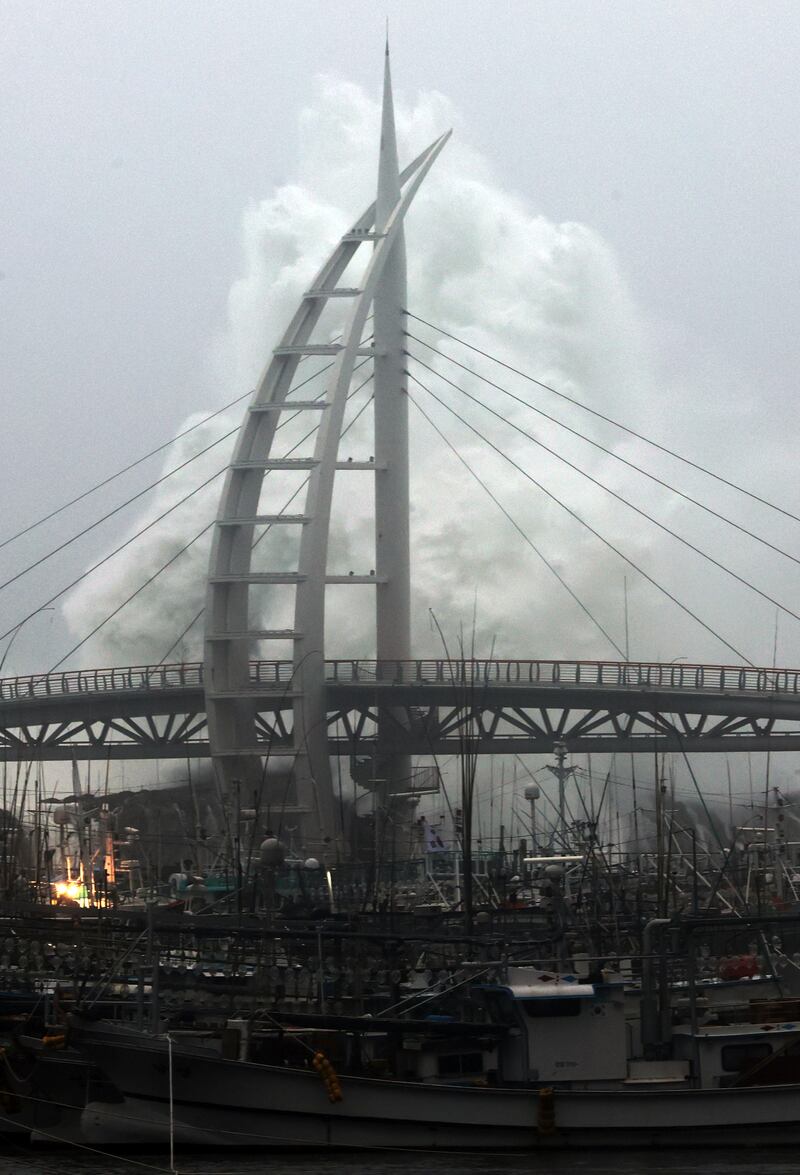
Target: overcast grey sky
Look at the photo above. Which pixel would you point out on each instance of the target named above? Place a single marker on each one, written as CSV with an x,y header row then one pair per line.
x,y
135,136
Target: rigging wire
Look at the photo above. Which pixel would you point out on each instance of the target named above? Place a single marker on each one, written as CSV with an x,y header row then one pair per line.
x,y
573,514
619,497
603,449
609,420
740,797
523,534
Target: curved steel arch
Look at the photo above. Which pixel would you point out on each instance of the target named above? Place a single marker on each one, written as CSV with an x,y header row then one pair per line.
x,y
230,701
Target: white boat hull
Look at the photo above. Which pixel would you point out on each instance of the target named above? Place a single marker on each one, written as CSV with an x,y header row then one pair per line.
x,y
226,1103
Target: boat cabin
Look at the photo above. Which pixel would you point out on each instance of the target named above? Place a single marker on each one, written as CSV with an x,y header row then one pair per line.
x,y
564,1031
723,1055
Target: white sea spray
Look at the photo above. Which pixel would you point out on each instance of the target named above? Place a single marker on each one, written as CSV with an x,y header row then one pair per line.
x,y
483,265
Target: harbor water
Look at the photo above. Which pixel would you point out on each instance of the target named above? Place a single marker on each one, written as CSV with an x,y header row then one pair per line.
x,y
645,1162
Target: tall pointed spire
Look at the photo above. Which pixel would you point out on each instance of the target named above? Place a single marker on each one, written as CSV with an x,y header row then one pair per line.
x,y
236,746
392,546
388,164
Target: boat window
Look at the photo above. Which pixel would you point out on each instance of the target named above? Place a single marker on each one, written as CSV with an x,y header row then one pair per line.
x,y
460,1064
737,1057
545,1009
499,1006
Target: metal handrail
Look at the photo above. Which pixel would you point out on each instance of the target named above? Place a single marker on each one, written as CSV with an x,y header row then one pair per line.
x,y
646,675
605,674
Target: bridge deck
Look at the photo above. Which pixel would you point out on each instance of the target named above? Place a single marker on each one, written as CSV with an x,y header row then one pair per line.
x,y
506,706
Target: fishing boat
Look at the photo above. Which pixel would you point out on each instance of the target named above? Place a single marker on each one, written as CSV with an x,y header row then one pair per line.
x,y
560,1062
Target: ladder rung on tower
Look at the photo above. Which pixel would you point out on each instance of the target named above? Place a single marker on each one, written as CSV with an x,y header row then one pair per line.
x,y
291,406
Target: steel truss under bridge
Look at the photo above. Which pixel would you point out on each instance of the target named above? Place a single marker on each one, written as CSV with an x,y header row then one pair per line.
x,y
423,707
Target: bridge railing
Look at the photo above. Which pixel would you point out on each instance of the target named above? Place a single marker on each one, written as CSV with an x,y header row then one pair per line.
x,y
93,681
605,674
472,674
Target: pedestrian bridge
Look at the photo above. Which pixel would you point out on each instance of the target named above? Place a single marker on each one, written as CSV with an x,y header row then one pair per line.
x,y
430,705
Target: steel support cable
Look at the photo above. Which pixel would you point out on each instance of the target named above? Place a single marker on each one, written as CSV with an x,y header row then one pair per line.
x,y
116,551
140,460
86,530
149,526
264,533
153,485
197,616
609,420
578,518
134,594
191,542
160,448
603,449
523,534
619,497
